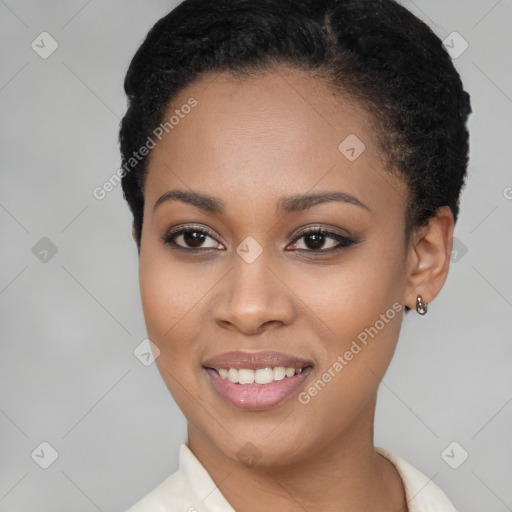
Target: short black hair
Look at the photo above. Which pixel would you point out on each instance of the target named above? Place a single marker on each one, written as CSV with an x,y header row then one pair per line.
x,y
375,50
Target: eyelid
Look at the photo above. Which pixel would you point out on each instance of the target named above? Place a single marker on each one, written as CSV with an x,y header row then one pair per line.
x,y
312,228
191,227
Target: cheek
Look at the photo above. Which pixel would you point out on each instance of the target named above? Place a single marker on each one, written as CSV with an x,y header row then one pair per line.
x,y
359,305
351,296
172,294
364,317
167,293
164,303
171,302
160,299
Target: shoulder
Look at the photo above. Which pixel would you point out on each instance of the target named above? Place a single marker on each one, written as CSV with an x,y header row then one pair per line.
x,y
189,489
421,493
170,495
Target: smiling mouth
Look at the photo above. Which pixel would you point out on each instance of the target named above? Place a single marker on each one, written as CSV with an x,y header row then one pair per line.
x,y
261,376
257,380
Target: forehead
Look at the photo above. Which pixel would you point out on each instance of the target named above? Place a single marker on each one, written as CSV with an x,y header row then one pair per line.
x,y
269,136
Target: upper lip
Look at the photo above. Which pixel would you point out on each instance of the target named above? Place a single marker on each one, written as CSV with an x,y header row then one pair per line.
x,y
254,360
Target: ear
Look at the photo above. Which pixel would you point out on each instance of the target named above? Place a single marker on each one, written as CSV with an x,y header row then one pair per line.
x,y
428,259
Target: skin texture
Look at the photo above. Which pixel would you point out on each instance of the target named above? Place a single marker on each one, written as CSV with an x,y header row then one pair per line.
x,y
249,142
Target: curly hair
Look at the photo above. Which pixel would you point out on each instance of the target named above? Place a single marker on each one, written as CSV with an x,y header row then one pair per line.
x,y
376,51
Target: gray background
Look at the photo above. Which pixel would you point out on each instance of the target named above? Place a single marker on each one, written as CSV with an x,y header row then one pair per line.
x,y
69,323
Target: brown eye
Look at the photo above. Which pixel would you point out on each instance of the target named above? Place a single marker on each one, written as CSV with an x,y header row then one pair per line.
x,y
194,238
191,238
315,240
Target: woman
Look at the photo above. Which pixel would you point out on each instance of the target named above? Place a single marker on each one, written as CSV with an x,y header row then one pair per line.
x,y
294,171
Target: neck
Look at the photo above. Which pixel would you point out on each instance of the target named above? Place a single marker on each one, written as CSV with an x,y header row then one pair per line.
x,y
345,474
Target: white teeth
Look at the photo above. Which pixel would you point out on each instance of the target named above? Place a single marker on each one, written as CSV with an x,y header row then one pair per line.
x,y
263,376
245,376
279,373
259,376
289,372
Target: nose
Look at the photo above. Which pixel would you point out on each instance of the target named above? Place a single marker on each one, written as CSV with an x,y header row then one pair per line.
x,y
253,299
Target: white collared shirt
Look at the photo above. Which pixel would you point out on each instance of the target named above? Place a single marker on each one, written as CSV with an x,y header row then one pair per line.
x,y
191,489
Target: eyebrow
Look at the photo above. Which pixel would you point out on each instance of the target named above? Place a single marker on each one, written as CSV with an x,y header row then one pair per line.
x,y
298,203
207,203
285,205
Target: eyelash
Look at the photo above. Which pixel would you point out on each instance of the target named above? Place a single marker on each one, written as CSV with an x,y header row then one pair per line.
x,y
344,241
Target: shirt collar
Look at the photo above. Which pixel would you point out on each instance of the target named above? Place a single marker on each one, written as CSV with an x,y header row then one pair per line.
x,y
421,493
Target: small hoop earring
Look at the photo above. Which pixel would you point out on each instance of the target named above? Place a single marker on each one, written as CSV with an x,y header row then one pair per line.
x,y
421,307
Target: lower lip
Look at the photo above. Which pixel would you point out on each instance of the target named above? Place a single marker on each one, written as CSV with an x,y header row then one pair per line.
x,y
257,396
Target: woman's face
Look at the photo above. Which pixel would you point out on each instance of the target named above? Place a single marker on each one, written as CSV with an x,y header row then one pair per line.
x,y
259,164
